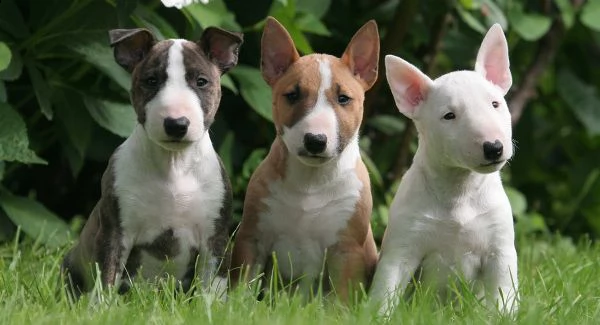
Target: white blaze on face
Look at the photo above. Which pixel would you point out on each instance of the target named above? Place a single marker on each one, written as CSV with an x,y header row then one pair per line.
x,y
175,99
321,120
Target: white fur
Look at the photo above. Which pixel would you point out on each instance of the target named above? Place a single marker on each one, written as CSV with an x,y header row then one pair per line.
x,y
159,189
321,120
161,186
451,215
175,100
306,210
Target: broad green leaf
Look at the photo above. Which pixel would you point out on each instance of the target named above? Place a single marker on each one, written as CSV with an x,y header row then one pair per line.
x,y
227,82
317,8
153,21
74,158
567,12
254,89
42,91
518,202
124,10
2,166
530,223
11,20
582,99
75,128
470,4
75,120
286,15
493,14
5,56
101,56
117,118
470,20
252,162
311,24
215,13
14,143
35,220
14,69
388,124
374,173
530,27
226,152
590,14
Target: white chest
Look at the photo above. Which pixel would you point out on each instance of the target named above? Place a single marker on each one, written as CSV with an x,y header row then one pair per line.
x,y
186,203
457,236
301,222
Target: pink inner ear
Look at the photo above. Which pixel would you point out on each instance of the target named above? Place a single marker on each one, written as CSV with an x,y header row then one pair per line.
x,y
492,59
360,65
414,94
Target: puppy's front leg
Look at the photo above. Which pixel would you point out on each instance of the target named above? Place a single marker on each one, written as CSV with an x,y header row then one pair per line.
x,y
347,269
247,263
500,280
395,269
112,255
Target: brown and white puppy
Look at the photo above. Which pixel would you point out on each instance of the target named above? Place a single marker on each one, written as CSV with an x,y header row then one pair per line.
x,y
309,202
166,200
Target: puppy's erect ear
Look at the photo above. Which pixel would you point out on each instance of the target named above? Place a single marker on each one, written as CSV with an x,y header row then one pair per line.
x,y
131,46
362,54
408,84
277,51
492,59
221,46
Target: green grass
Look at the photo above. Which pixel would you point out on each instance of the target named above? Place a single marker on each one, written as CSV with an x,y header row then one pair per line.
x,y
560,284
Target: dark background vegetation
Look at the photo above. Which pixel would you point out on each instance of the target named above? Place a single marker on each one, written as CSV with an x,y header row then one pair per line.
x,y
64,102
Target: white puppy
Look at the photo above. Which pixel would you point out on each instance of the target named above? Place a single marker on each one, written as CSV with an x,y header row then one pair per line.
x,y
451,216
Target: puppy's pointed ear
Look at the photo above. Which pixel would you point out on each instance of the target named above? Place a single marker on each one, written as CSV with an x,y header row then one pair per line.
x,y
409,85
222,47
278,52
362,54
492,59
131,46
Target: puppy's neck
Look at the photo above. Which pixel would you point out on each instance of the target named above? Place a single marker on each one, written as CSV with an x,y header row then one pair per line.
x,y
314,176
163,161
448,181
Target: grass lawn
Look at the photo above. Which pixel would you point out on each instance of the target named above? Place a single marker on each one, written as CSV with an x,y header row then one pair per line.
x,y
560,284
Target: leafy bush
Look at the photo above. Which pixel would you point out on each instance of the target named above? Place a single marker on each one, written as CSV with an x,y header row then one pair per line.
x,y
64,102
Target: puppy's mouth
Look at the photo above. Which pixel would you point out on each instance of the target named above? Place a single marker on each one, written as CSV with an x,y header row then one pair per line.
x,y
314,160
493,163
175,144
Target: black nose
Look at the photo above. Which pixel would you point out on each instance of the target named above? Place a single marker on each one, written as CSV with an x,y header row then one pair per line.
x,y
492,151
315,143
176,127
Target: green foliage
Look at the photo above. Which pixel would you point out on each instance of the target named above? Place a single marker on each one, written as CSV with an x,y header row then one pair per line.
x,y
35,220
14,144
64,99
254,90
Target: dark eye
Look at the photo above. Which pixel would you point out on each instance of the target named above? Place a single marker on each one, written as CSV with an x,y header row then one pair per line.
x,y
449,116
201,82
151,82
292,96
343,99
495,104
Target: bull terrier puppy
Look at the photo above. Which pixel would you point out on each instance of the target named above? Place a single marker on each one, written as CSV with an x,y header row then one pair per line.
x,y
166,200
309,202
450,216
